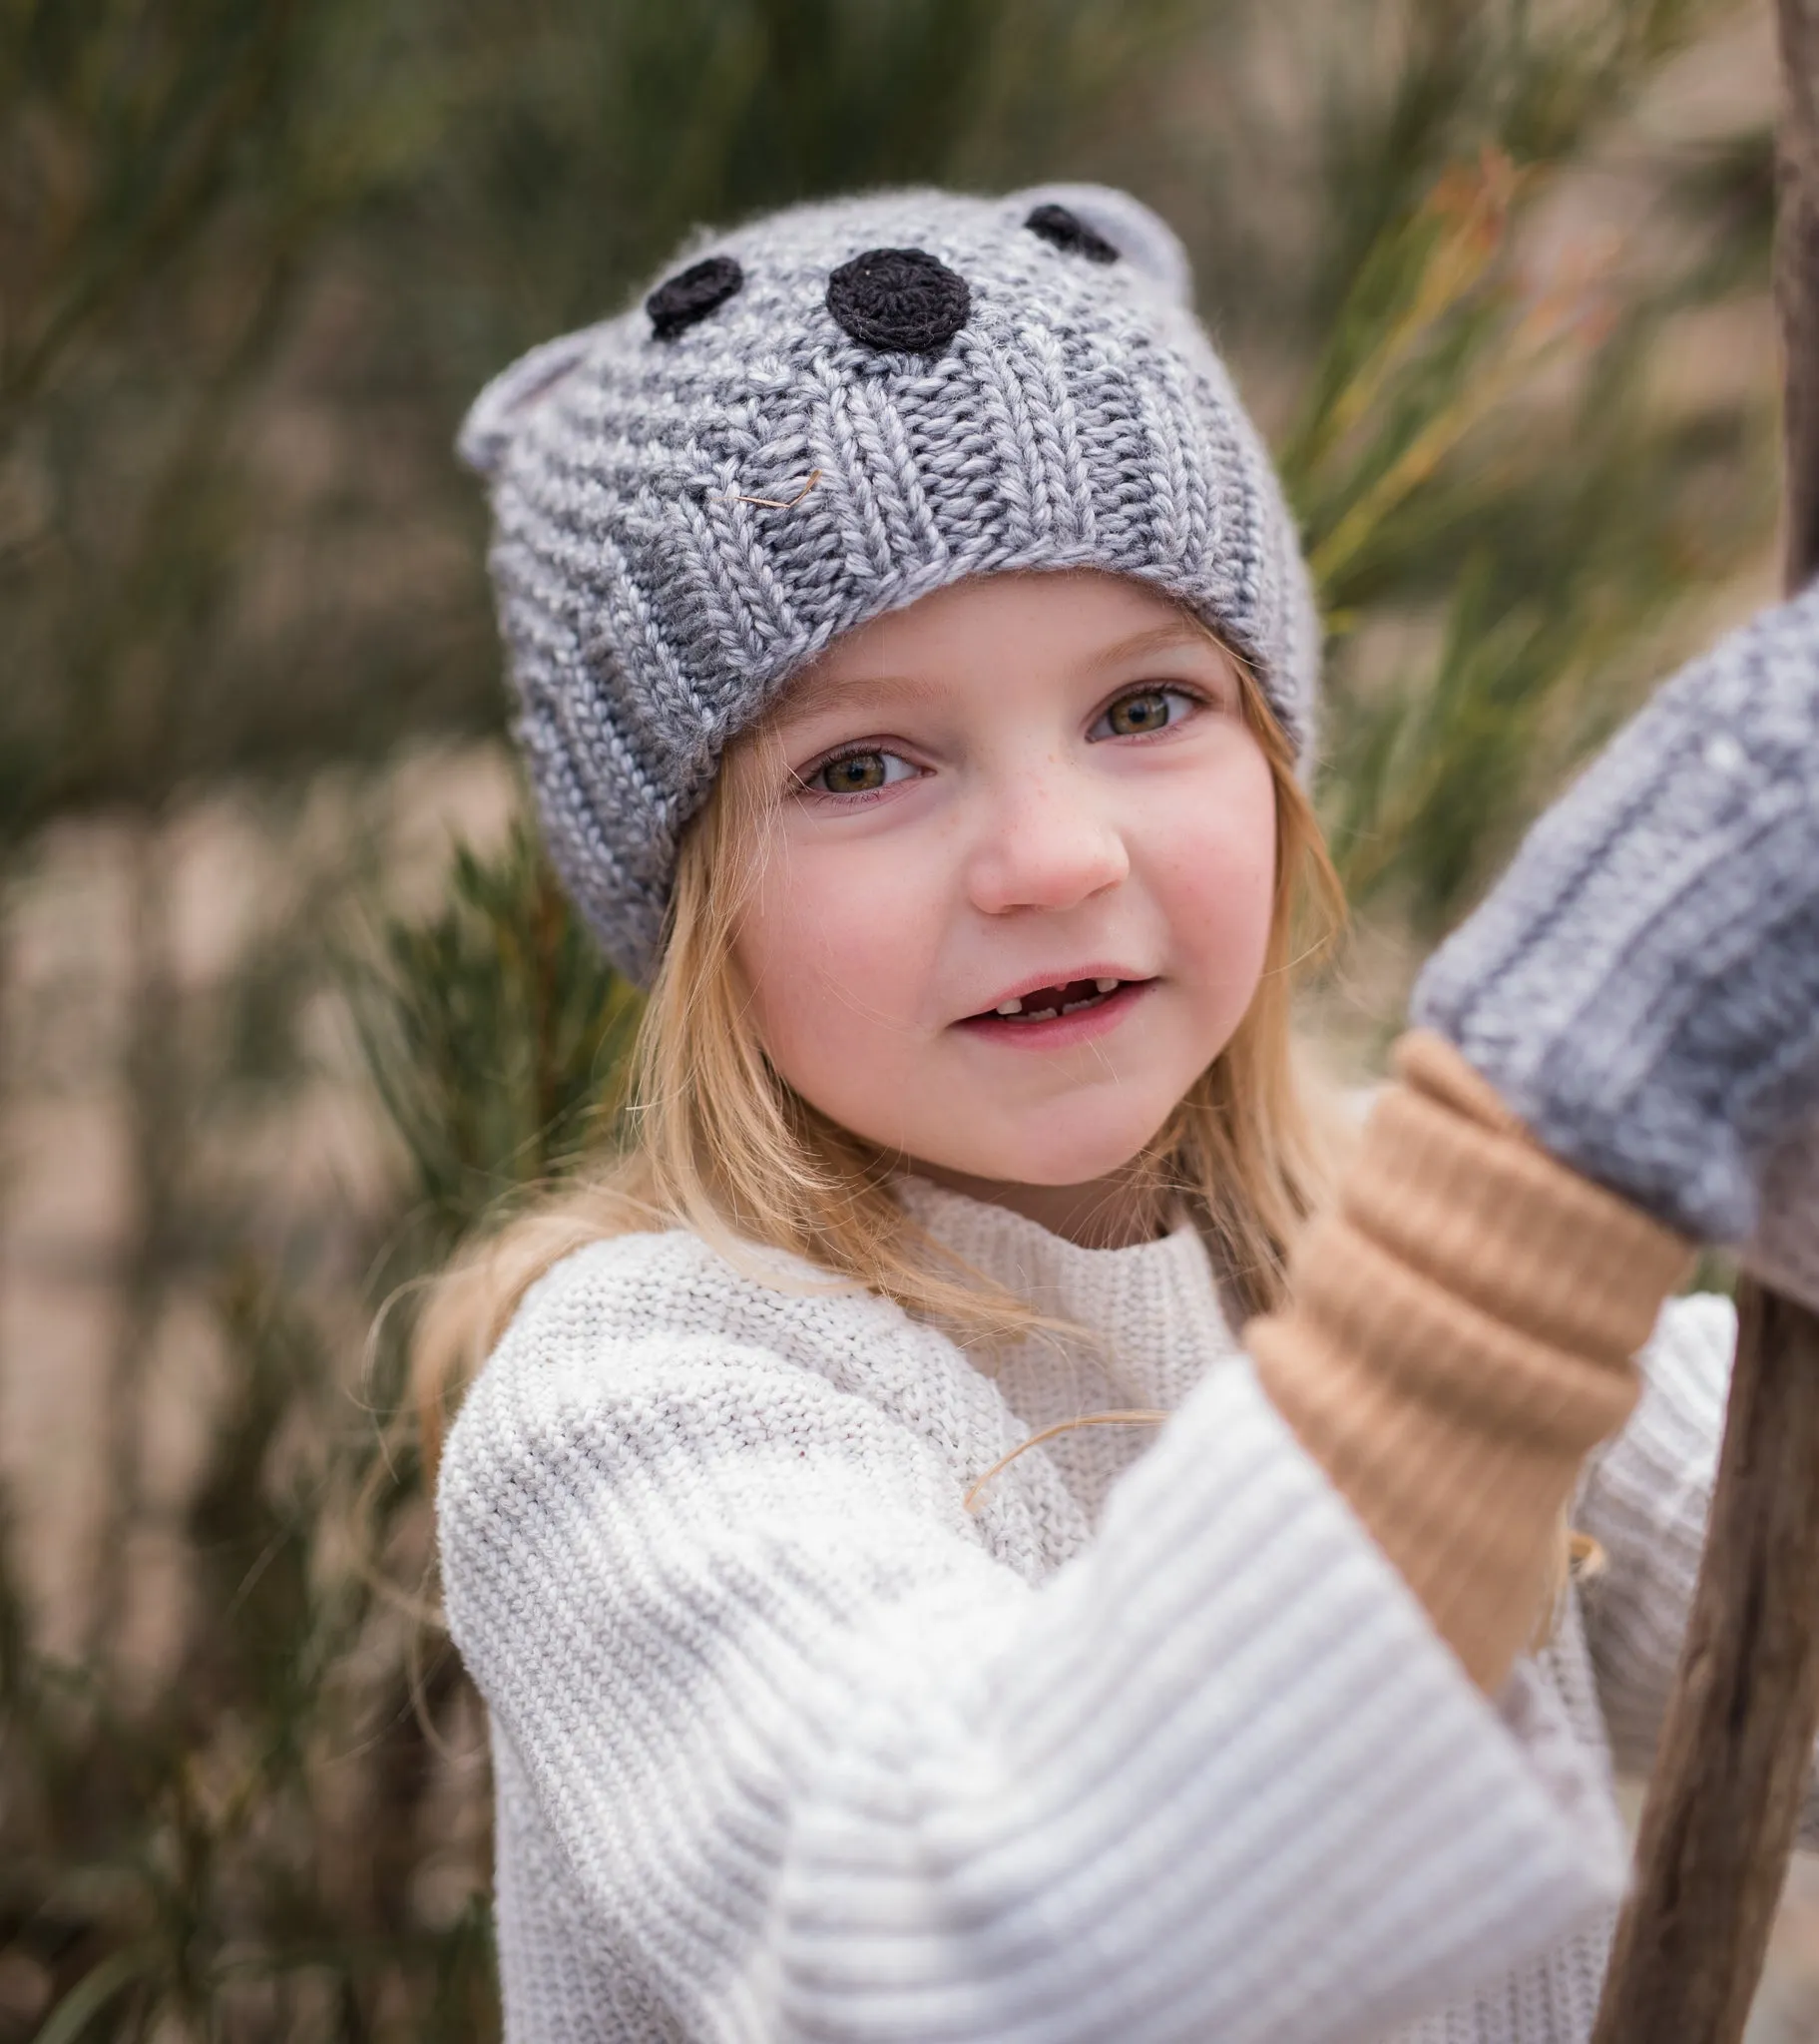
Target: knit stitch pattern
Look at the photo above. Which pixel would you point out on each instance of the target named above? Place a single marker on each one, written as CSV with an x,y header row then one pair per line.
x,y
1642,986
692,499
1153,1745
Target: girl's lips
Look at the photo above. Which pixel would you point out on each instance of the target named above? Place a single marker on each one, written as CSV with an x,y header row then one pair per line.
x,y
1061,1032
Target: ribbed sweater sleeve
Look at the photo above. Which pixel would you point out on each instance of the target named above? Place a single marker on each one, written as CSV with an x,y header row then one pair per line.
x,y
821,1766
1646,1500
1458,1336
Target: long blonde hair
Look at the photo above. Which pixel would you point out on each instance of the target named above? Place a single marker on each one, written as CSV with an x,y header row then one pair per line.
x,y
718,1140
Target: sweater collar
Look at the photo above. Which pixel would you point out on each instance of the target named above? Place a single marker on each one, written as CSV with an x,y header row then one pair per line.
x,y
1145,1299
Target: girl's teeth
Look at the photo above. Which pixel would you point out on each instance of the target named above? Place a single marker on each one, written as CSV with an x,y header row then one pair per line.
x,y
1015,1006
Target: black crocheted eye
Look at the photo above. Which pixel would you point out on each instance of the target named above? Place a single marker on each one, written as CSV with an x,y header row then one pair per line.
x,y
1067,230
899,299
690,295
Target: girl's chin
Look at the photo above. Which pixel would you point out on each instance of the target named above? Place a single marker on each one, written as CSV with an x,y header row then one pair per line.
x,y
1037,1162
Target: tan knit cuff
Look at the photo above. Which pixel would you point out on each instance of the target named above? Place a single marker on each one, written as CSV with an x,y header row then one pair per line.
x,y
1460,1335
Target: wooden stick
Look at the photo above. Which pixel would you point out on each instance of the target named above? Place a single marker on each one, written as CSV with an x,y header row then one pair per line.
x,y
1736,1749
1719,1825
1797,279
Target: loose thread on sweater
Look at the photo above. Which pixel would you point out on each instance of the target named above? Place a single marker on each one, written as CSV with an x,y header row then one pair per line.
x,y
1142,1418
783,503
1586,1560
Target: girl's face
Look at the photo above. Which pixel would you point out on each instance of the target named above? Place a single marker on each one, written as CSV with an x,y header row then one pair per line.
x,y
1020,886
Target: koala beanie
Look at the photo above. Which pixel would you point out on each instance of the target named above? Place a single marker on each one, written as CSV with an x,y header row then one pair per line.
x,y
821,416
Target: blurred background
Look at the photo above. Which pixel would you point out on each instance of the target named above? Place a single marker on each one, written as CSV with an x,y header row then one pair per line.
x,y
287,1000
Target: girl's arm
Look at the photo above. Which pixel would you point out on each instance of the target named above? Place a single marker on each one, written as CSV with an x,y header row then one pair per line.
x,y
1640,998
815,1764
1458,1336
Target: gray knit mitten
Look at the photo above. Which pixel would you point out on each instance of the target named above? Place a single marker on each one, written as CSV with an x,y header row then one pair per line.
x,y
1642,985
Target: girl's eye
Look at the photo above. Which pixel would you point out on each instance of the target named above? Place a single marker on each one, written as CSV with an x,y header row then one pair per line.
x,y
1144,710
857,774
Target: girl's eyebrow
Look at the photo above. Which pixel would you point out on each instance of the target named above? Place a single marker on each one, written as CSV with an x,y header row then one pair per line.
x,y
814,693
1171,638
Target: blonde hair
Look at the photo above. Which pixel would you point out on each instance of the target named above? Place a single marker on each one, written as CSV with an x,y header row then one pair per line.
x,y
718,1141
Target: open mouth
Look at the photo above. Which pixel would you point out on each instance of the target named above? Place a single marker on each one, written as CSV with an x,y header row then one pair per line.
x,y
1048,1003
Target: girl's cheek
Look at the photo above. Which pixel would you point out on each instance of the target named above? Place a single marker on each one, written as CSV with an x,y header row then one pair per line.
x,y
837,943
1214,858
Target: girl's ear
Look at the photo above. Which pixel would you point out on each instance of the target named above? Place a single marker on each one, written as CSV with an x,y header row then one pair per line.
x,y
496,415
1143,239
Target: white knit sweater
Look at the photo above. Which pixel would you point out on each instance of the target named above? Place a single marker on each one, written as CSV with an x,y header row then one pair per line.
x,y
1153,1745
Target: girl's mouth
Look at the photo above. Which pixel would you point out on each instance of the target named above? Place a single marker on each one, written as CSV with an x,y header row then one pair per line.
x,y
1045,1003
1062,1013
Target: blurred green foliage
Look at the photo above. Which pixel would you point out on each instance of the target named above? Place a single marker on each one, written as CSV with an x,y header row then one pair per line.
x,y
252,262
262,1847
1481,444
234,1857
255,259
494,1034
1544,542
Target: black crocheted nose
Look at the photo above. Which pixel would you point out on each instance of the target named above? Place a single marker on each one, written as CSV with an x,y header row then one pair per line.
x,y
899,299
1066,229
690,295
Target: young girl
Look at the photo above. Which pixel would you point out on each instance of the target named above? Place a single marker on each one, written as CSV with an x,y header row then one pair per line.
x,y
915,664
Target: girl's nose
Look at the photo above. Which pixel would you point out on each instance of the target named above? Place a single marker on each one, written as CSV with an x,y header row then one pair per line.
x,y
1049,847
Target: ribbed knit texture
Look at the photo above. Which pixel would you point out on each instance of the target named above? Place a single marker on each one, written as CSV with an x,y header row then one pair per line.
x,y
1460,1336
1642,987
685,513
1155,1745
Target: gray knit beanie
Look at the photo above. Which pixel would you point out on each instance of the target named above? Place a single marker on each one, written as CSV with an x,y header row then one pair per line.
x,y
821,416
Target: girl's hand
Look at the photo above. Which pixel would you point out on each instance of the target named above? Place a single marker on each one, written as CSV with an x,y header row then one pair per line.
x,y
1642,985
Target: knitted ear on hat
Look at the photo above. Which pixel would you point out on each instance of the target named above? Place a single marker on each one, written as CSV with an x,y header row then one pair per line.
x,y
1122,224
501,408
